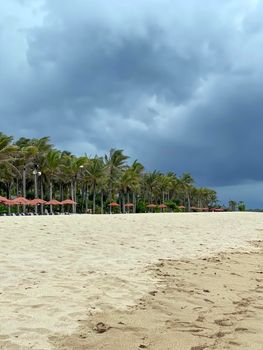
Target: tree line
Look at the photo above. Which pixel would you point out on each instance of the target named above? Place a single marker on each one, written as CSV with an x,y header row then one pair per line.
x,y
34,168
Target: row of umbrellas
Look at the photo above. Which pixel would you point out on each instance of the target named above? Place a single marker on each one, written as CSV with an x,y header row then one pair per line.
x,y
130,205
163,206
36,201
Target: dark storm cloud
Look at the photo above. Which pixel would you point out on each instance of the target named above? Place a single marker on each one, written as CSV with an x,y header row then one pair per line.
x,y
177,85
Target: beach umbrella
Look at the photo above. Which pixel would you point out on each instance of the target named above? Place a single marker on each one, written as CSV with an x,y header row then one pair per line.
x,y
129,205
9,202
114,204
37,201
199,209
151,206
68,201
181,207
162,206
53,202
2,199
21,200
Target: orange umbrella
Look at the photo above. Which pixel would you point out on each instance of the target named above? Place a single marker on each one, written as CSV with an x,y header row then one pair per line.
x,y
129,205
181,207
37,201
68,201
114,204
53,202
9,202
2,199
21,200
162,206
151,206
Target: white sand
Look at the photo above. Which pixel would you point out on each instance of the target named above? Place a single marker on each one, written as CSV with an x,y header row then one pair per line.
x,y
56,270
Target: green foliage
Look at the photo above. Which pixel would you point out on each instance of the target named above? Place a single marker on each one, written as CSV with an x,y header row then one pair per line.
x,y
241,206
232,205
93,182
141,206
172,205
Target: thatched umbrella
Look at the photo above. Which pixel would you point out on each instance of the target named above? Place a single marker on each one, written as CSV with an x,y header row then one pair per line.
x,y
68,202
2,199
129,205
9,203
151,206
162,206
114,205
36,201
53,202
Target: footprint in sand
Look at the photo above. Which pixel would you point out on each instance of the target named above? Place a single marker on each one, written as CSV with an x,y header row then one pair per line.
x,y
224,323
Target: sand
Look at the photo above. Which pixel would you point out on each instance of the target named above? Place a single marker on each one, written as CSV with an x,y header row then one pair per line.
x,y
154,281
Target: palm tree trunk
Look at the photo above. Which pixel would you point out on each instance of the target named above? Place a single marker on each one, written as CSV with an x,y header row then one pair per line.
x,y
42,195
110,197
123,202
101,202
72,194
82,197
24,187
134,202
51,195
75,195
9,188
86,198
17,194
62,196
128,201
188,202
94,199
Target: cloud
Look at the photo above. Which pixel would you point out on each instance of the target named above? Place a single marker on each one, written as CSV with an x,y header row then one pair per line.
x,y
177,85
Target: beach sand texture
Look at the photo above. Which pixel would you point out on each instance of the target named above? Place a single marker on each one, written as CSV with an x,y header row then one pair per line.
x,y
62,275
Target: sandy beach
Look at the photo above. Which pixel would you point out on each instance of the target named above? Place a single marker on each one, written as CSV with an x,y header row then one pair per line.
x,y
153,281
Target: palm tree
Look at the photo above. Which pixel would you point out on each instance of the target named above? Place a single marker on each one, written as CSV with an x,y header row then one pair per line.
x,y
72,166
124,183
150,184
185,182
50,168
130,183
7,176
164,184
8,155
8,151
106,176
115,163
25,162
96,175
232,205
43,146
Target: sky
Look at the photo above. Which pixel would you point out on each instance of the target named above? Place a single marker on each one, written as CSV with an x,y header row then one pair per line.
x,y
176,84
